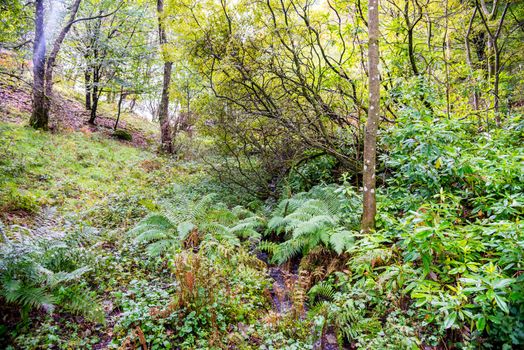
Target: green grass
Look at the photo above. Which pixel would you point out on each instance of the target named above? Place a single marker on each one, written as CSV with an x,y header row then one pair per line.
x,y
73,171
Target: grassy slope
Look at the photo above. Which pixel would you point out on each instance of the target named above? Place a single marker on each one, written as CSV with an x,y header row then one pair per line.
x,y
72,171
90,180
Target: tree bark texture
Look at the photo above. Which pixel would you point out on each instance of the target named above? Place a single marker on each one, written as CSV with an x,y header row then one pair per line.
x,y
87,78
51,59
163,109
40,114
370,137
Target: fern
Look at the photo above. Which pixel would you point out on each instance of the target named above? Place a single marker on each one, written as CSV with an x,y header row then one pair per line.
x,y
35,272
247,228
320,292
341,240
184,228
25,295
78,300
213,221
313,218
56,278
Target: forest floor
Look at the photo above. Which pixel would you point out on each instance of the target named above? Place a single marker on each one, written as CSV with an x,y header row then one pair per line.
x,y
69,114
78,179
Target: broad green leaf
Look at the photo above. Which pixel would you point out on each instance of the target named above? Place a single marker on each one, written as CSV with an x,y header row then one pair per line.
x,y
502,283
450,320
481,323
501,303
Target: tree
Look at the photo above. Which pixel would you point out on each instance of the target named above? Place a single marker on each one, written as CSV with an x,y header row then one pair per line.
x,y
163,109
40,114
494,48
370,137
43,65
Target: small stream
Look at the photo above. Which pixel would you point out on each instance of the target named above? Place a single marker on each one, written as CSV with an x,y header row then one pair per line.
x,y
282,302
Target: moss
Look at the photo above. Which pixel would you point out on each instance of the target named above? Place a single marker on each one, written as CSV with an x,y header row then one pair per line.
x,y
122,135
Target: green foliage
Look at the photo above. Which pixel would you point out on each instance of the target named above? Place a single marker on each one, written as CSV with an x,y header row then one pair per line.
x,y
312,172
447,255
448,251
184,222
212,292
122,135
326,215
43,274
484,169
96,179
136,303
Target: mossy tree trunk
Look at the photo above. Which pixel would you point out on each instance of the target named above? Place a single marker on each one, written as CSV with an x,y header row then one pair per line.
x,y
40,114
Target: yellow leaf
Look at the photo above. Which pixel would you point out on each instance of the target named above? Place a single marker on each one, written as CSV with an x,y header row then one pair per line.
x,y
438,163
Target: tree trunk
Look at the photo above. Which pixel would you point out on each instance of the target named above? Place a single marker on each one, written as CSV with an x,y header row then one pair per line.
x,y
493,58
475,96
132,105
446,53
95,95
370,137
94,106
122,96
496,82
87,78
40,114
163,110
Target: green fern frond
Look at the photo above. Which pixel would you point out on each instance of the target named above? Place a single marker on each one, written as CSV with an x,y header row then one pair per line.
x,y
287,206
159,247
184,228
241,212
292,219
314,224
322,291
289,249
223,236
276,223
16,292
154,221
202,206
151,235
61,277
247,227
83,302
310,219
341,240
267,246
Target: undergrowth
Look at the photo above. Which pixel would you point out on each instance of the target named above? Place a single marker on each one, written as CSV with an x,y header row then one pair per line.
x,y
178,264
